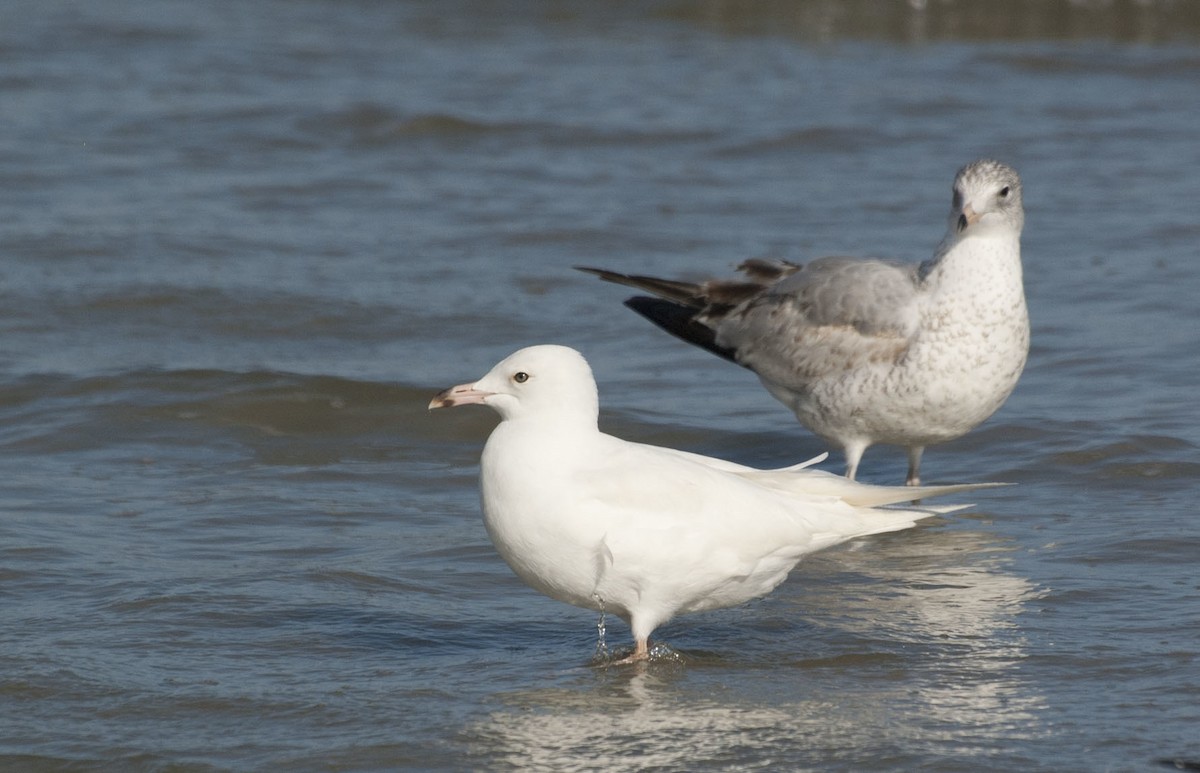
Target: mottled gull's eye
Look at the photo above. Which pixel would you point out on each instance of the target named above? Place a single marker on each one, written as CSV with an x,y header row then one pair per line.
x,y
1004,192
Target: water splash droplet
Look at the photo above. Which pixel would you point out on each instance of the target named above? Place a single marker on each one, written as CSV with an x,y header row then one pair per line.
x,y
601,642
661,652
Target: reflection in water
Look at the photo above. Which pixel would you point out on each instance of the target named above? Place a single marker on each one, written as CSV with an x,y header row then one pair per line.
x,y
636,720
929,659
951,590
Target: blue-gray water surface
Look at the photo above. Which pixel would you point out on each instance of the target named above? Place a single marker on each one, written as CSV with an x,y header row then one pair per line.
x,y
242,244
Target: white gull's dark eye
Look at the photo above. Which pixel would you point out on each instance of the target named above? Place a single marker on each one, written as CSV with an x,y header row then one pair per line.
x,y
521,377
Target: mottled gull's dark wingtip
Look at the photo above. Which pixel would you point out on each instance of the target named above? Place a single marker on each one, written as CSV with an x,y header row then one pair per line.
x,y
679,321
603,273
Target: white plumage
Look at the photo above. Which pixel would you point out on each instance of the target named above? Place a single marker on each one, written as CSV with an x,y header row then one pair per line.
x,y
868,351
641,531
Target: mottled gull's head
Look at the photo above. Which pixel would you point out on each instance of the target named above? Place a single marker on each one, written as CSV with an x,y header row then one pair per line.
x,y
987,195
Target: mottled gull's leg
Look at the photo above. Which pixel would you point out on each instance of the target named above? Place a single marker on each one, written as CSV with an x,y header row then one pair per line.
x,y
854,451
914,465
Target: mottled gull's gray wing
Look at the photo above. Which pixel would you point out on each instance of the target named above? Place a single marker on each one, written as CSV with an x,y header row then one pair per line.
x,y
836,314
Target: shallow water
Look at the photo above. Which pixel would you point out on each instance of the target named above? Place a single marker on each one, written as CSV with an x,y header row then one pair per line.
x,y
243,244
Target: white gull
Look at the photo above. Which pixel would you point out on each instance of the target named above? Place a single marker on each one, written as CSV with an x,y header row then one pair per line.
x,y
642,531
868,351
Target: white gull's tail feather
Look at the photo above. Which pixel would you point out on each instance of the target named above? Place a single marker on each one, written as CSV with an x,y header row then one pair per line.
x,y
798,479
821,483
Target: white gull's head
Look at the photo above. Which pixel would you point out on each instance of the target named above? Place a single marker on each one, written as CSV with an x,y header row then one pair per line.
x,y
546,382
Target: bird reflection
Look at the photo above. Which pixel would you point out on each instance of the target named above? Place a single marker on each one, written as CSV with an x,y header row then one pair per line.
x,y
952,592
925,650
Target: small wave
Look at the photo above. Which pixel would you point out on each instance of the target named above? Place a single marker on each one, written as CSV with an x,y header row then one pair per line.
x,y
825,139
142,311
1149,457
372,124
56,413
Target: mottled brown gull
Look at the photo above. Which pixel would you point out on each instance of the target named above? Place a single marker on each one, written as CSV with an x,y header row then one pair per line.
x,y
868,351
645,532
